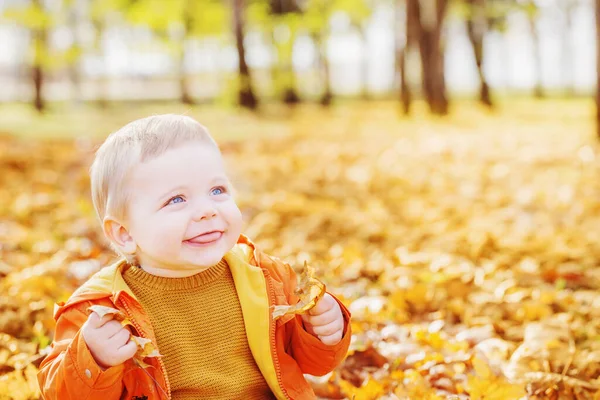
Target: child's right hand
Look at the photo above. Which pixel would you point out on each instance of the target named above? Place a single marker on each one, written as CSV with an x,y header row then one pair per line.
x,y
107,340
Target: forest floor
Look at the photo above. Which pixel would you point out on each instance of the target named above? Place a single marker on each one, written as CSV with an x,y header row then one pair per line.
x,y
466,248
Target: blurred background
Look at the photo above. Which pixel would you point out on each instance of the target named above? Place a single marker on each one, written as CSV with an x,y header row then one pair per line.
x,y
437,161
253,51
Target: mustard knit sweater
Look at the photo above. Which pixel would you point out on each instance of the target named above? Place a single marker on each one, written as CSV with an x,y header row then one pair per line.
x,y
200,333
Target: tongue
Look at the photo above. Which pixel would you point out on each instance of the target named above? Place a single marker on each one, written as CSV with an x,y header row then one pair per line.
x,y
206,238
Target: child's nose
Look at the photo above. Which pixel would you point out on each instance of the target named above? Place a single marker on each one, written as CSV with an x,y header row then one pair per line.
x,y
205,210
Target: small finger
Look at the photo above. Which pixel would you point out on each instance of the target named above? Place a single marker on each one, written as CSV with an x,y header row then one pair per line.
x,y
96,322
111,328
120,338
323,305
127,351
323,319
331,340
326,330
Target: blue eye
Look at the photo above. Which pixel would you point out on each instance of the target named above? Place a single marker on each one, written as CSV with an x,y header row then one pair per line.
x,y
176,199
218,190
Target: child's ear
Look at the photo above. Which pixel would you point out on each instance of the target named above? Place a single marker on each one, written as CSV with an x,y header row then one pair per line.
x,y
119,235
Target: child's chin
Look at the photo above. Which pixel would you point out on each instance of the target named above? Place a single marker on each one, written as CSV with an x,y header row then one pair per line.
x,y
207,261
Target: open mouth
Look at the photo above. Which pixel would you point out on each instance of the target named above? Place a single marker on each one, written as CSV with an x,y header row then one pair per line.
x,y
205,238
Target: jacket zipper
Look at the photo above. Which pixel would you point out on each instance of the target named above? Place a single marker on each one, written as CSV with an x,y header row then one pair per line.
x,y
143,334
272,327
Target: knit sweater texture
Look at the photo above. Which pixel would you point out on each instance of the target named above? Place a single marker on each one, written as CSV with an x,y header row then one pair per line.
x,y
200,334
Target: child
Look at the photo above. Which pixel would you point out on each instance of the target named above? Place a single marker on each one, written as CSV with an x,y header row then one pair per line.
x,y
189,282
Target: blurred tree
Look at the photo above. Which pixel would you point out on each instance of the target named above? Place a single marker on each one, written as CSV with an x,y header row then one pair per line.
x,y
279,7
285,15
74,52
359,12
568,7
186,28
175,23
402,35
477,26
531,11
425,19
316,20
37,19
100,13
246,96
40,51
98,22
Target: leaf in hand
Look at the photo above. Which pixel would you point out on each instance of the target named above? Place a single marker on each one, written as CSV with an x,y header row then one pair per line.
x,y
103,310
145,346
309,289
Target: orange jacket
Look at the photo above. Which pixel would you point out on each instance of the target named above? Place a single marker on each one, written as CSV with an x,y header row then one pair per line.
x,y
283,350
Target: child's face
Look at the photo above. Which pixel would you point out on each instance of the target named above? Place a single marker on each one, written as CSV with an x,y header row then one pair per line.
x,y
182,215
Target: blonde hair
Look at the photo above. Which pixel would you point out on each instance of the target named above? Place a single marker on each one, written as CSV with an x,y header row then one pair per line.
x,y
138,141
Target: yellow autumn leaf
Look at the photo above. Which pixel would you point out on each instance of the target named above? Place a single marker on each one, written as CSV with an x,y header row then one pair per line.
x,y
309,289
103,310
118,315
482,370
145,346
485,385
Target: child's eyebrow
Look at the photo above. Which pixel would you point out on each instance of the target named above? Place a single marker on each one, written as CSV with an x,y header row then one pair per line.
x,y
219,178
170,192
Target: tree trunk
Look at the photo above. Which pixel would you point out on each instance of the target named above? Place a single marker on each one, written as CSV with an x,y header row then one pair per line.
x,y
246,97
476,29
75,78
567,55
538,90
185,96
73,70
38,83
598,68
323,66
364,63
402,48
39,35
285,74
428,23
290,94
405,93
102,83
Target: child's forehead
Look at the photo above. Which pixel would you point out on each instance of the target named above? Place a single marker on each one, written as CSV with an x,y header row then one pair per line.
x,y
179,165
190,148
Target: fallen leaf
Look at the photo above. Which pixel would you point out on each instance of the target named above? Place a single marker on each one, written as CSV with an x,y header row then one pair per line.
x,y
309,289
145,346
485,385
103,310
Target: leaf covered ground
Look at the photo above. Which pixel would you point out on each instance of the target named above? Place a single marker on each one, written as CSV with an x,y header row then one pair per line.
x,y
467,249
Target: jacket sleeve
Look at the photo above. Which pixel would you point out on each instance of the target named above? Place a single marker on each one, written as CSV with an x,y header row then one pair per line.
x,y
70,372
312,356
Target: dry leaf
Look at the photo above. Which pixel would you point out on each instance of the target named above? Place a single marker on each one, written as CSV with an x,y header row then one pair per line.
x,y
485,385
103,310
145,346
309,289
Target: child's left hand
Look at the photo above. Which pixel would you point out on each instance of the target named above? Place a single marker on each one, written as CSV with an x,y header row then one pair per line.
x,y
325,320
